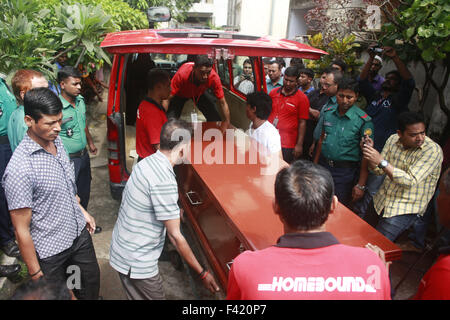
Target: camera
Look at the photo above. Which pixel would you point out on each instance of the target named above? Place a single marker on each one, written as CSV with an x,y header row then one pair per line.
x,y
377,49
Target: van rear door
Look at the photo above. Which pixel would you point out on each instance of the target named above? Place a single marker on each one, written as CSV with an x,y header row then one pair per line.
x,y
218,45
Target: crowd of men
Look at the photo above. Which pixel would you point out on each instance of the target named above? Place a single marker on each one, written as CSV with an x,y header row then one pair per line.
x,y
375,159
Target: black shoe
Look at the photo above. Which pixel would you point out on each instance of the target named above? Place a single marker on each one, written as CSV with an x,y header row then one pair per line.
x,y
9,270
11,249
98,229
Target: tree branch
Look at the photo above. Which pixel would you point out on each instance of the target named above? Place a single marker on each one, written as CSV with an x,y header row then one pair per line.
x,y
65,51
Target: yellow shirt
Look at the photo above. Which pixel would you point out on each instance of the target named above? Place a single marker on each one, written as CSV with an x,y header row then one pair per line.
x,y
416,172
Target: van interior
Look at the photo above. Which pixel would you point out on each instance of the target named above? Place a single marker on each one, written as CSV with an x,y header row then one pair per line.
x,y
135,90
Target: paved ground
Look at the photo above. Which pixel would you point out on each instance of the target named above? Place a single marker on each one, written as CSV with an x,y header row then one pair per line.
x,y
177,283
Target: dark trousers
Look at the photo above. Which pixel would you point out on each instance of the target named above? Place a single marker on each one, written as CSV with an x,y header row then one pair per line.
x,y
76,265
6,227
83,178
205,104
288,154
344,180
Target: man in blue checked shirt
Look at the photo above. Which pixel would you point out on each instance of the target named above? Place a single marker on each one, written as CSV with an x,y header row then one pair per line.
x,y
53,229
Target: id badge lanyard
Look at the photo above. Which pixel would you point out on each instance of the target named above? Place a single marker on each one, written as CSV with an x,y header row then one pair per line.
x,y
275,121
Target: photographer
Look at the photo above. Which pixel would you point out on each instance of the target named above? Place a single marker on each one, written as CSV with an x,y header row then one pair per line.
x,y
383,107
244,82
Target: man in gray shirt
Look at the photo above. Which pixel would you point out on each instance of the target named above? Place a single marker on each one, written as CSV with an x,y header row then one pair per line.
x,y
150,207
52,228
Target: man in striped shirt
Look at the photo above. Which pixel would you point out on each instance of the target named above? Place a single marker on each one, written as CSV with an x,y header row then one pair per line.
x,y
412,162
150,207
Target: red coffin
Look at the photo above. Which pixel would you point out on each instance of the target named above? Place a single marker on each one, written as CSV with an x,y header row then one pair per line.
x,y
229,206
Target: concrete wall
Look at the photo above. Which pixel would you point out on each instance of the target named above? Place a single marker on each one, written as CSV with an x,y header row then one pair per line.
x,y
263,17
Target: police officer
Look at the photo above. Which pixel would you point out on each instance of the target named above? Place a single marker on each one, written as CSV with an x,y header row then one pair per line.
x,y
74,131
343,128
7,239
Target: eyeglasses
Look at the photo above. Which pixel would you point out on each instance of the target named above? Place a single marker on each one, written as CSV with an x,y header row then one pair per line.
x,y
326,85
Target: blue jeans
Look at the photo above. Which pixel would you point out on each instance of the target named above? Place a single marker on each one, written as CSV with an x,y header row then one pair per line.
x,y
420,227
392,227
6,228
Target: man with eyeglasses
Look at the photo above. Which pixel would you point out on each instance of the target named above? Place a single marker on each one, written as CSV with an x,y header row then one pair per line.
x,y
328,82
275,76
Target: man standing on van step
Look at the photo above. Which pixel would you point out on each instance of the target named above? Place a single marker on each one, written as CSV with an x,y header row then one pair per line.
x,y
151,115
75,133
190,82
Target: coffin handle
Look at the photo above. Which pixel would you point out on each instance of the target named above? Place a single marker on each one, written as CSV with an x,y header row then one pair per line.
x,y
193,202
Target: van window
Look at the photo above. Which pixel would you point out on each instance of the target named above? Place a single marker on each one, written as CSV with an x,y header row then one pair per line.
x,y
243,75
222,70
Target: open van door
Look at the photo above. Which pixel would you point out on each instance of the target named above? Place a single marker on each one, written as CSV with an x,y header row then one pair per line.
x,y
137,51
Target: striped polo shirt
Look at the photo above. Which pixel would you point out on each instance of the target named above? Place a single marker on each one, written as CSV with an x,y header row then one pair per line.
x,y
150,197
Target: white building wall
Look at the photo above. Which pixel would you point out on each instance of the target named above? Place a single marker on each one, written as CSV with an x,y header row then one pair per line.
x,y
263,17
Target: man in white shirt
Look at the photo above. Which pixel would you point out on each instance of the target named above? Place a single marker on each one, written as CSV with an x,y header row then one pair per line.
x,y
259,107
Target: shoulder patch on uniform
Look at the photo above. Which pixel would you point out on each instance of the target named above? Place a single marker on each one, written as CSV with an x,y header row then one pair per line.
x,y
366,117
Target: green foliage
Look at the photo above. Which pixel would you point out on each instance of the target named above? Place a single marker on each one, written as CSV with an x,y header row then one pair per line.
x,y
20,44
343,49
424,28
31,31
419,30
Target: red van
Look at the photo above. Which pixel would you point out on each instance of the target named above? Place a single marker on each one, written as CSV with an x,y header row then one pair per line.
x,y
137,51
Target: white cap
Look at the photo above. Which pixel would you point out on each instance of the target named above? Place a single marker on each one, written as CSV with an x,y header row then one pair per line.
x,y
379,58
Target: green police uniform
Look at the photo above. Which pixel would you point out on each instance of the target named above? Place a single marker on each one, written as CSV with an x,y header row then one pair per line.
x,y
331,103
343,133
73,125
7,106
16,127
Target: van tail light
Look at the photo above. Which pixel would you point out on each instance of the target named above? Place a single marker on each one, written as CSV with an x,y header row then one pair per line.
x,y
113,152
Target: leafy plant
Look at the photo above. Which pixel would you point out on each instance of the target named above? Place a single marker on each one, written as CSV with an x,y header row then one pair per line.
x,y
32,32
344,49
420,31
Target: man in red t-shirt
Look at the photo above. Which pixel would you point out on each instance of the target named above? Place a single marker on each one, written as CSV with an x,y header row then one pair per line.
x,y
190,82
151,115
290,109
435,285
307,262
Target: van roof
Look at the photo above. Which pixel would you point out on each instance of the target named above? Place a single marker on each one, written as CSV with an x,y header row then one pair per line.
x,y
195,41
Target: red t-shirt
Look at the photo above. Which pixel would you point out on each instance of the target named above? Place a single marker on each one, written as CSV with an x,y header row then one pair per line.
x,y
435,285
334,272
149,121
289,110
183,85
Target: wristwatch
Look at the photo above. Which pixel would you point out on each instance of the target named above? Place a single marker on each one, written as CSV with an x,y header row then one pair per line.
x,y
360,187
383,164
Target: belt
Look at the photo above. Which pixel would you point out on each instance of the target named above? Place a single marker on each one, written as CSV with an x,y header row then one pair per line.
x,y
78,154
341,164
4,140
